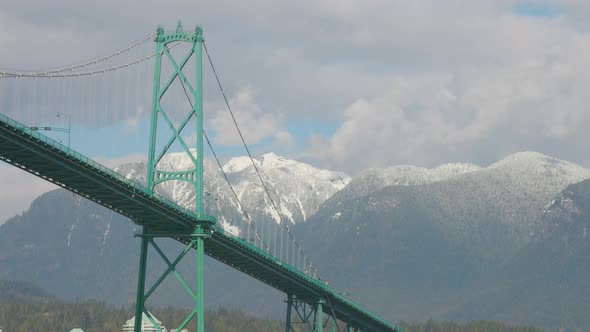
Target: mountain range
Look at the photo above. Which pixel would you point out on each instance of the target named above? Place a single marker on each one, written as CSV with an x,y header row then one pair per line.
x,y
459,241
297,189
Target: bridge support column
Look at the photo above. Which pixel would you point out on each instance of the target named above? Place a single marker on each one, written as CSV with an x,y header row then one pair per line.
x,y
308,315
319,317
200,301
161,144
311,315
139,302
288,327
196,240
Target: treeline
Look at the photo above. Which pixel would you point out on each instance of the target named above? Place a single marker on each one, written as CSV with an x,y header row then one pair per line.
x,y
481,326
95,316
25,307
21,291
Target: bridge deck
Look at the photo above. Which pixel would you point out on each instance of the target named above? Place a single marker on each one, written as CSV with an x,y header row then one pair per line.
x,y
54,162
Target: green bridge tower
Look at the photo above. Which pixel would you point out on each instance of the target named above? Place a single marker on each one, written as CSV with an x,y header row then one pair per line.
x,y
194,237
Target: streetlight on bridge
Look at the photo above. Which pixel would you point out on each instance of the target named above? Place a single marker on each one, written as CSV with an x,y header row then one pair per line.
x,y
66,130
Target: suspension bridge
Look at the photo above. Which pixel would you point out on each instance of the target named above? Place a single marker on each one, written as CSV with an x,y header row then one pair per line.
x,y
104,91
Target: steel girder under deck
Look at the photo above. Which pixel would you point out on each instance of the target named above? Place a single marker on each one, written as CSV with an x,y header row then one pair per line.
x,y
54,162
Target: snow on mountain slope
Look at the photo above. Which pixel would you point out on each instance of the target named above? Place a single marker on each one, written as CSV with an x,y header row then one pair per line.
x,y
540,175
510,193
297,189
522,184
374,179
472,205
524,169
508,196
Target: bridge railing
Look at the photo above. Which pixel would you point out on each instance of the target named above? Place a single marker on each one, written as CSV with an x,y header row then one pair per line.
x,y
141,189
319,284
137,187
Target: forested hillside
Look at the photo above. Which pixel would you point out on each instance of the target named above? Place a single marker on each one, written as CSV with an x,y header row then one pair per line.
x,y
25,307
93,316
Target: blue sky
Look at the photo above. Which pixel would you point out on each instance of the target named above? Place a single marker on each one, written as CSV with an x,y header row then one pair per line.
x,y
115,141
537,9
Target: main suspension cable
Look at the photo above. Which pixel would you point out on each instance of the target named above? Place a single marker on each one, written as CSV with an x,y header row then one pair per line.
x,y
91,62
65,74
74,74
256,167
243,210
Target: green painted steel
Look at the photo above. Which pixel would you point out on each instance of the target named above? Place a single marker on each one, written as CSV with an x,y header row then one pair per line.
x,y
194,176
319,317
310,314
305,314
289,309
154,117
147,239
200,300
139,302
198,109
198,230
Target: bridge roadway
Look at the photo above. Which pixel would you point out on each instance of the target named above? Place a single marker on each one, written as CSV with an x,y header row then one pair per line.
x,y
54,162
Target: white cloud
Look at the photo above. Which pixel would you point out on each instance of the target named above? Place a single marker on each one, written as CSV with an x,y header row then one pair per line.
x,y
426,117
133,121
283,140
438,79
254,123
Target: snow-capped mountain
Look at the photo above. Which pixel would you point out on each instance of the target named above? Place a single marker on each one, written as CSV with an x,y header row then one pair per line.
x,y
466,201
540,175
296,188
525,168
374,179
454,242
512,191
508,228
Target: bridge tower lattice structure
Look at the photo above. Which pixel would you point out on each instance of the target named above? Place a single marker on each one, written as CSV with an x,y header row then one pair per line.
x,y
193,238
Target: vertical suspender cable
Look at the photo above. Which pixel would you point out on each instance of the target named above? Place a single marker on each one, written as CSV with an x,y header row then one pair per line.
x,y
252,159
263,243
30,97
